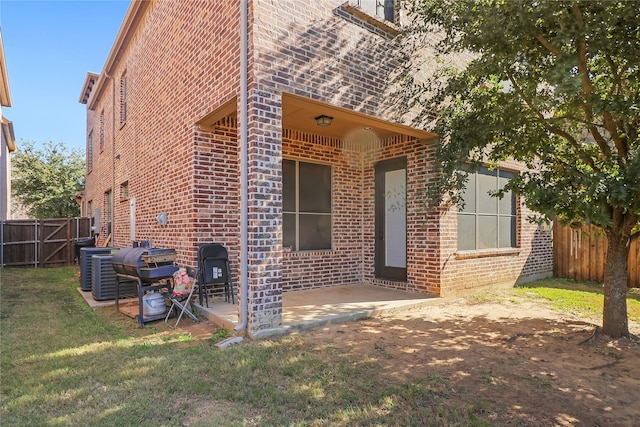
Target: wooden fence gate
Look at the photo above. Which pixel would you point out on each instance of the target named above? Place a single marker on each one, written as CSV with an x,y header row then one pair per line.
x,y
41,242
579,254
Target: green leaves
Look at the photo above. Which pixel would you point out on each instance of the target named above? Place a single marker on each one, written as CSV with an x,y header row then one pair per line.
x,y
553,84
44,181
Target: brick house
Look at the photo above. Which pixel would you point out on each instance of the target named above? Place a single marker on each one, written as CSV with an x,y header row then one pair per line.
x,y
7,140
335,169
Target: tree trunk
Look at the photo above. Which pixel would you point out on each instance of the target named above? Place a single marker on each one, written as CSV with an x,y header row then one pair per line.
x,y
615,321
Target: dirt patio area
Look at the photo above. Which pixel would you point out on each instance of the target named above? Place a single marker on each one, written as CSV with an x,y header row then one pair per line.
x,y
518,361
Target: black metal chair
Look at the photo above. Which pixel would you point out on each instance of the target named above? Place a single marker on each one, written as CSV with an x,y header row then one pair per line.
x,y
213,269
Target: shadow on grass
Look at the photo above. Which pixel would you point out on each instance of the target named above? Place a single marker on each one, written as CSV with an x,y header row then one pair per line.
x,y
65,364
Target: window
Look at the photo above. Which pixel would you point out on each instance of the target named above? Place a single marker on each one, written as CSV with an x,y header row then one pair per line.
x,y
485,221
306,201
101,135
124,191
108,209
383,9
90,151
123,99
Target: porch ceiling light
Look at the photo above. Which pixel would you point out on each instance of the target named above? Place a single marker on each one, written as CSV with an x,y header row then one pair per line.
x,y
323,120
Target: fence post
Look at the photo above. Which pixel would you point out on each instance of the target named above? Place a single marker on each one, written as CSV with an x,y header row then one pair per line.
x,y
69,242
36,240
1,243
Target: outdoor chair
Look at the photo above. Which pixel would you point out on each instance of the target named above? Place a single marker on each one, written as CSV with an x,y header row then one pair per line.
x,y
181,299
213,270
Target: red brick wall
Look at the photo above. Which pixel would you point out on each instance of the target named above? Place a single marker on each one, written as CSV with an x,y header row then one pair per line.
x,y
343,263
182,63
469,270
215,192
264,208
322,51
423,227
433,262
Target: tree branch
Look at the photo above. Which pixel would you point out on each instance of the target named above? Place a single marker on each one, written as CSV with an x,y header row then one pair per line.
x,y
582,53
592,127
617,81
602,143
619,142
553,129
575,119
544,42
587,87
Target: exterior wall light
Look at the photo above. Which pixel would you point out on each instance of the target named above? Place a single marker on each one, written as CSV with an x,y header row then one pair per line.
x,y
323,120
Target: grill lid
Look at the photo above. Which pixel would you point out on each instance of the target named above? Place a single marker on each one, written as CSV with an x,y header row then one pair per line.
x,y
149,264
159,256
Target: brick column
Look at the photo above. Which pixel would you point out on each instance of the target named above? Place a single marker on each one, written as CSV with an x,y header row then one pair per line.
x,y
265,211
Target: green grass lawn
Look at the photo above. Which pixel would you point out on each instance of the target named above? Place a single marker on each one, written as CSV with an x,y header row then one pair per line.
x,y
583,299
63,363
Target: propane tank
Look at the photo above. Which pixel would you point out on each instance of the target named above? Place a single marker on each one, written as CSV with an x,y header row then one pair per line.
x,y
153,303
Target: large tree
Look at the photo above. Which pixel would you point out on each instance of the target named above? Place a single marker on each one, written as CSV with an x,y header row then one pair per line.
x,y
45,180
555,85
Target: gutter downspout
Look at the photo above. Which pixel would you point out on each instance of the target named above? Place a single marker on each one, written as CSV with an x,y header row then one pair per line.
x,y
244,169
113,154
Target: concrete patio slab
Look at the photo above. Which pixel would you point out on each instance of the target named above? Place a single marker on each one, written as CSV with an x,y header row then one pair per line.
x,y
314,307
309,308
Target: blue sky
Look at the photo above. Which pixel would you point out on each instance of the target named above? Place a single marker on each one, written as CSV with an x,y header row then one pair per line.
x,y
49,47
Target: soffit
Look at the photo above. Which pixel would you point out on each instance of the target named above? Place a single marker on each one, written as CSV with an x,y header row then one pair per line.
x,y
299,113
227,109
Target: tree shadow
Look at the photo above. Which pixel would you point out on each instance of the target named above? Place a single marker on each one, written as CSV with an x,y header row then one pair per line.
x,y
327,60
437,364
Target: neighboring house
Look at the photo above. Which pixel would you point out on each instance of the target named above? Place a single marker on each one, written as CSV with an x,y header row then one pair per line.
x,y
336,171
8,144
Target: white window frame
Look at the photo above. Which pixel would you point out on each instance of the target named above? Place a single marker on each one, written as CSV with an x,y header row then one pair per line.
x,y
379,9
472,211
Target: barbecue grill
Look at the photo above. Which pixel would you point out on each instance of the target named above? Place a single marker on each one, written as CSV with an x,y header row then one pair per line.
x,y
149,267
146,264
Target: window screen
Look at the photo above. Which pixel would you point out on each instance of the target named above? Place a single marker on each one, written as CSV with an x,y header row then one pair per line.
x,y
306,205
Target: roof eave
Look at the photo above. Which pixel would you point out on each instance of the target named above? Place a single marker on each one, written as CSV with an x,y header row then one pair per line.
x,y
9,135
87,87
132,19
5,93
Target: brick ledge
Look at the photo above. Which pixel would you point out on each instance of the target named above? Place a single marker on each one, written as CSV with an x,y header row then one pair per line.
x,y
487,253
389,27
312,252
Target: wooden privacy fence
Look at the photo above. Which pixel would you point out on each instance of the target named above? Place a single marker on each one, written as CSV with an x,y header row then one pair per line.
x,y
41,242
579,254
